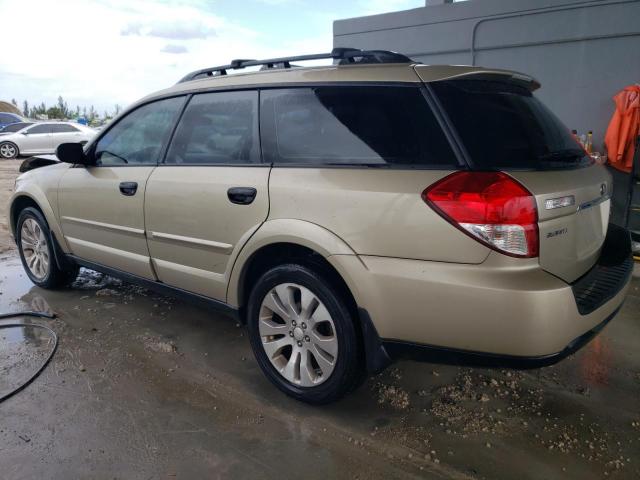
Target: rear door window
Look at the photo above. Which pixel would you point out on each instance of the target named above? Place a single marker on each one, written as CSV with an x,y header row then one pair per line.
x,y
352,125
503,126
217,128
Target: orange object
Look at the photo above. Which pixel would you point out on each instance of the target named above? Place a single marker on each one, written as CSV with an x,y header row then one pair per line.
x,y
624,128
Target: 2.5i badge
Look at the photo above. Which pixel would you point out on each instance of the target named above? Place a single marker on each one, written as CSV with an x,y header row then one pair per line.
x,y
555,233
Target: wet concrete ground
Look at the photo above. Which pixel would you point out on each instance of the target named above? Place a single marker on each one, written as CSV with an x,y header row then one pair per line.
x,y
145,386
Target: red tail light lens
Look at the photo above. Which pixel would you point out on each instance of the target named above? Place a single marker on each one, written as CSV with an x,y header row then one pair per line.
x,y
491,207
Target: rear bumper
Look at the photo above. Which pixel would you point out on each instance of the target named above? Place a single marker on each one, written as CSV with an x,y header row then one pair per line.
x,y
499,308
394,350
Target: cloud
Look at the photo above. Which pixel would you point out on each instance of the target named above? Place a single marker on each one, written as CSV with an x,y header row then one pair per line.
x,y
125,49
278,2
185,30
375,7
172,48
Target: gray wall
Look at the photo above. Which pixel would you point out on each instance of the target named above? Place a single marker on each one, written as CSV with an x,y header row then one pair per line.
x,y
583,52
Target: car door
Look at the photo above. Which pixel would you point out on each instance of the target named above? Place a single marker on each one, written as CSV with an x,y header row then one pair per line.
x,y
209,195
101,206
37,139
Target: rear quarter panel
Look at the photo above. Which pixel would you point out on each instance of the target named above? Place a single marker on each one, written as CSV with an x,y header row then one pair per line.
x,y
376,212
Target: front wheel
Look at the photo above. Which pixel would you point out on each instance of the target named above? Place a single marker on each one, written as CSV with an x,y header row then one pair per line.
x,y
8,150
303,334
36,251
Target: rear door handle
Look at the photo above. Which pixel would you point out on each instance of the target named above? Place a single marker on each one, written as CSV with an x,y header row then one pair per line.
x,y
242,195
128,188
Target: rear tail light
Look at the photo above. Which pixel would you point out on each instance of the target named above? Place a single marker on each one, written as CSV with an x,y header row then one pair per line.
x,y
490,207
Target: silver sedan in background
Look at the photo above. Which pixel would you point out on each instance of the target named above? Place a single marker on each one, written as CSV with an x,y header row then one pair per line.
x,y
43,137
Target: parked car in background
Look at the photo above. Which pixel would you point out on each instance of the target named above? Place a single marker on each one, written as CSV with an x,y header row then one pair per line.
x,y
14,127
43,137
348,214
9,118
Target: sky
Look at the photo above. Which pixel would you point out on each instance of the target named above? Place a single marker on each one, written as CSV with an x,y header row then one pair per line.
x,y
108,52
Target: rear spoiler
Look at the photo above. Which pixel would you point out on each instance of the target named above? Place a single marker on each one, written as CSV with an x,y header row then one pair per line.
x,y
430,73
526,81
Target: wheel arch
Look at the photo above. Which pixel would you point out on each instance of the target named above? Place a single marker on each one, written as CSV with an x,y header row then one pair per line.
x,y
284,240
23,199
281,241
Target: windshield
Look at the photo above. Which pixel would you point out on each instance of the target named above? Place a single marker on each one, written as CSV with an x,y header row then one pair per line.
x,y
15,127
503,126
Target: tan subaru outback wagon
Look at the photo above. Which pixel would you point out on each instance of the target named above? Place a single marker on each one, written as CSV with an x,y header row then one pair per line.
x,y
347,213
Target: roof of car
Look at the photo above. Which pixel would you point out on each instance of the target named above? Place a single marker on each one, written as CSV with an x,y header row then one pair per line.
x,y
405,73
349,65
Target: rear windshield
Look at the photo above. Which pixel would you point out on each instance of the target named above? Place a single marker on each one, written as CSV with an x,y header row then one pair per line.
x,y
503,126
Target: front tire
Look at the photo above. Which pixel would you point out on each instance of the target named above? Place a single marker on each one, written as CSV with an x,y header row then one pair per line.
x,y
303,334
37,253
9,150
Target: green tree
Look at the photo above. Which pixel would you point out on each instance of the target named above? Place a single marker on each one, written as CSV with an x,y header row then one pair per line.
x,y
62,108
13,100
25,108
93,114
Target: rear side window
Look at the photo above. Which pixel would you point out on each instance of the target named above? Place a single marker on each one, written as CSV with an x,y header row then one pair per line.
x,y
139,136
503,126
217,128
352,125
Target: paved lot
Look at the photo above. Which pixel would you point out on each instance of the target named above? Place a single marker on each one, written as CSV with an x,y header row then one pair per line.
x,y
144,386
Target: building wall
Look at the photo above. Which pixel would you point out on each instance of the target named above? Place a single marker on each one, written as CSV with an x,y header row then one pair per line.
x,y
582,52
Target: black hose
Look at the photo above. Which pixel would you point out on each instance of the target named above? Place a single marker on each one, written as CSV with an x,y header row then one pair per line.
x,y
45,327
27,314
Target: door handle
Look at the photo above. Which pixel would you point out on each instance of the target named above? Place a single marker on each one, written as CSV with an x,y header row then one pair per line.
x,y
128,188
242,195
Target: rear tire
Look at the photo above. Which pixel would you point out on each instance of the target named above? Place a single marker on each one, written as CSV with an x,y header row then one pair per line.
x,y
37,252
304,335
9,150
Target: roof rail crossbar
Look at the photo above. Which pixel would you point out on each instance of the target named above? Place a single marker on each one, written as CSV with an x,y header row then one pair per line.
x,y
343,56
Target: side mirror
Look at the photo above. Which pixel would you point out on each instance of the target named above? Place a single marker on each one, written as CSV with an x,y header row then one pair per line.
x,y
71,153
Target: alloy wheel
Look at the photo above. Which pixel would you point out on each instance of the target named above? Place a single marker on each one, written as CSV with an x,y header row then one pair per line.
x,y
7,150
298,334
35,249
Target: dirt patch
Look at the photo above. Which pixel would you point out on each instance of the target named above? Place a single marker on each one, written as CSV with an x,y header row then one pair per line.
x,y
156,344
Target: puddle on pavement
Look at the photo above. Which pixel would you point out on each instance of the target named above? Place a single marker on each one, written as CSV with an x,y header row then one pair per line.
x,y
192,370
23,350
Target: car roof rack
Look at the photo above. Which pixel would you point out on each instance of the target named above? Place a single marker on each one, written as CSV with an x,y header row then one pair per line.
x,y
342,56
